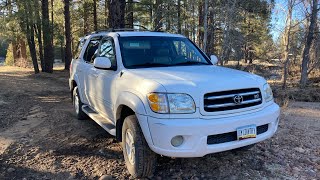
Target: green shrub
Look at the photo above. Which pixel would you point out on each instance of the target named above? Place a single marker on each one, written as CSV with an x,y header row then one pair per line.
x,y
9,56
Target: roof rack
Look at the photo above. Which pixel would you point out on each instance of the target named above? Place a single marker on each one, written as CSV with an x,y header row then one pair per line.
x,y
141,28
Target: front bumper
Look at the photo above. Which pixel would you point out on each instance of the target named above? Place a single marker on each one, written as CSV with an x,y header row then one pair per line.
x,y
196,131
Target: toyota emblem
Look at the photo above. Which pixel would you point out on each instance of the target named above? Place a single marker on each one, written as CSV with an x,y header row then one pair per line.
x,y
238,99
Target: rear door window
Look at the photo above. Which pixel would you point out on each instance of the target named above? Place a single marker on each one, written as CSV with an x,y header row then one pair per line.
x,y
79,48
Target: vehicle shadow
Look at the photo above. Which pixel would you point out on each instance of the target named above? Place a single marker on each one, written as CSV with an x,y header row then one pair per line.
x,y
9,172
86,138
234,164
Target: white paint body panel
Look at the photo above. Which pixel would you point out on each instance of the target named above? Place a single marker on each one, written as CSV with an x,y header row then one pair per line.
x,y
196,131
106,90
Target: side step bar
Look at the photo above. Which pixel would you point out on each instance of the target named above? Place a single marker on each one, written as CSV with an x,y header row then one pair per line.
x,y
106,124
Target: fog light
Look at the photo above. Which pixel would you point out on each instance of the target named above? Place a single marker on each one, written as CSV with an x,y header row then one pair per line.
x,y
177,141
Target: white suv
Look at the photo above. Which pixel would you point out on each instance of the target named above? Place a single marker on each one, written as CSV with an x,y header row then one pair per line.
x,y
158,93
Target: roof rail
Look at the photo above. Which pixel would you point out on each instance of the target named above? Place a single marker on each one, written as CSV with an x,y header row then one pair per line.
x,y
141,28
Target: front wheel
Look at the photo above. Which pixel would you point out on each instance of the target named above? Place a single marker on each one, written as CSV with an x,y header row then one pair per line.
x,y
139,158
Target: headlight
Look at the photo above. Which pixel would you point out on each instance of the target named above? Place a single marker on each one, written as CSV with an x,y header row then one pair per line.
x,y
158,102
268,95
171,103
181,103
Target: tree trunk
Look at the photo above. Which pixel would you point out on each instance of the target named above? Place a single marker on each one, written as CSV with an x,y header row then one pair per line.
x,y
169,18
47,43
14,42
23,49
130,14
38,30
193,25
210,36
62,52
85,18
95,18
316,50
15,50
32,48
52,22
30,36
157,24
211,32
151,13
117,13
106,5
227,32
187,26
205,26
68,55
306,51
287,43
179,16
200,24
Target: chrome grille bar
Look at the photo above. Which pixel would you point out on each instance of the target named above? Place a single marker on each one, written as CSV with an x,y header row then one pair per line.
x,y
232,95
233,104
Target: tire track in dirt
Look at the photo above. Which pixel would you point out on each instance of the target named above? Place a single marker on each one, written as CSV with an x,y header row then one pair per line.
x,y
34,118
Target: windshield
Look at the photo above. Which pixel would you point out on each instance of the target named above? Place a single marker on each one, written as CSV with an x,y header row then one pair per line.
x,y
144,52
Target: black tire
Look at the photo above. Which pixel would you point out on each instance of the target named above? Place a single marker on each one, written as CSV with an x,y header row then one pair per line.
x,y
79,113
144,158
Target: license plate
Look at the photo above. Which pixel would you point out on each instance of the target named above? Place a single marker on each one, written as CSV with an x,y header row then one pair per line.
x,y
247,132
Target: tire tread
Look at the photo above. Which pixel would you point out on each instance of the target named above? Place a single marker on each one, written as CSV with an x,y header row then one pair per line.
x,y
146,162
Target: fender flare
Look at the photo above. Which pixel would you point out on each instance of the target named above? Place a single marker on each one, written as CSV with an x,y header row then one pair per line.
x,y
135,103
132,101
76,80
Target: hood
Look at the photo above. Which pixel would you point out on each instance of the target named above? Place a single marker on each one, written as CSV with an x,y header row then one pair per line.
x,y
194,80
204,78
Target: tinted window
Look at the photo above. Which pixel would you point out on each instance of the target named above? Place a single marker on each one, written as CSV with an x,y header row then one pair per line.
x,y
92,50
185,50
107,50
143,52
78,50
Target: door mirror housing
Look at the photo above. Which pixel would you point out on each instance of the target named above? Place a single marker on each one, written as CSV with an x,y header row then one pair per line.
x,y
102,63
214,59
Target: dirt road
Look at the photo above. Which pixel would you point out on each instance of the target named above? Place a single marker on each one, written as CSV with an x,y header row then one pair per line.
x,y
41,139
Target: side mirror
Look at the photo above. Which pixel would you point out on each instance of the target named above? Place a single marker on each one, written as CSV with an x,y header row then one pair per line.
x,y
102,63
214,59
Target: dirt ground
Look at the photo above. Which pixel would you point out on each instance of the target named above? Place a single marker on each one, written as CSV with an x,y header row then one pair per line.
x,y
40,138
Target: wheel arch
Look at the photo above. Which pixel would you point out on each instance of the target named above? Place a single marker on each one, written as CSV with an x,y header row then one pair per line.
x,y
127,104
73,84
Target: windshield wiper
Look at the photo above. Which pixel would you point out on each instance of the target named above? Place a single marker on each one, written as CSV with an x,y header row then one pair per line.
x,y
191,63
146,65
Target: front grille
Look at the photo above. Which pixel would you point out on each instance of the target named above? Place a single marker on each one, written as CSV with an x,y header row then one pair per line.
x,y
231,136
234,99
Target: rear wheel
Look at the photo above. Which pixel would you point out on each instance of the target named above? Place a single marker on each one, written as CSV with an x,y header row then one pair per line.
x,y
77,104
139,158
